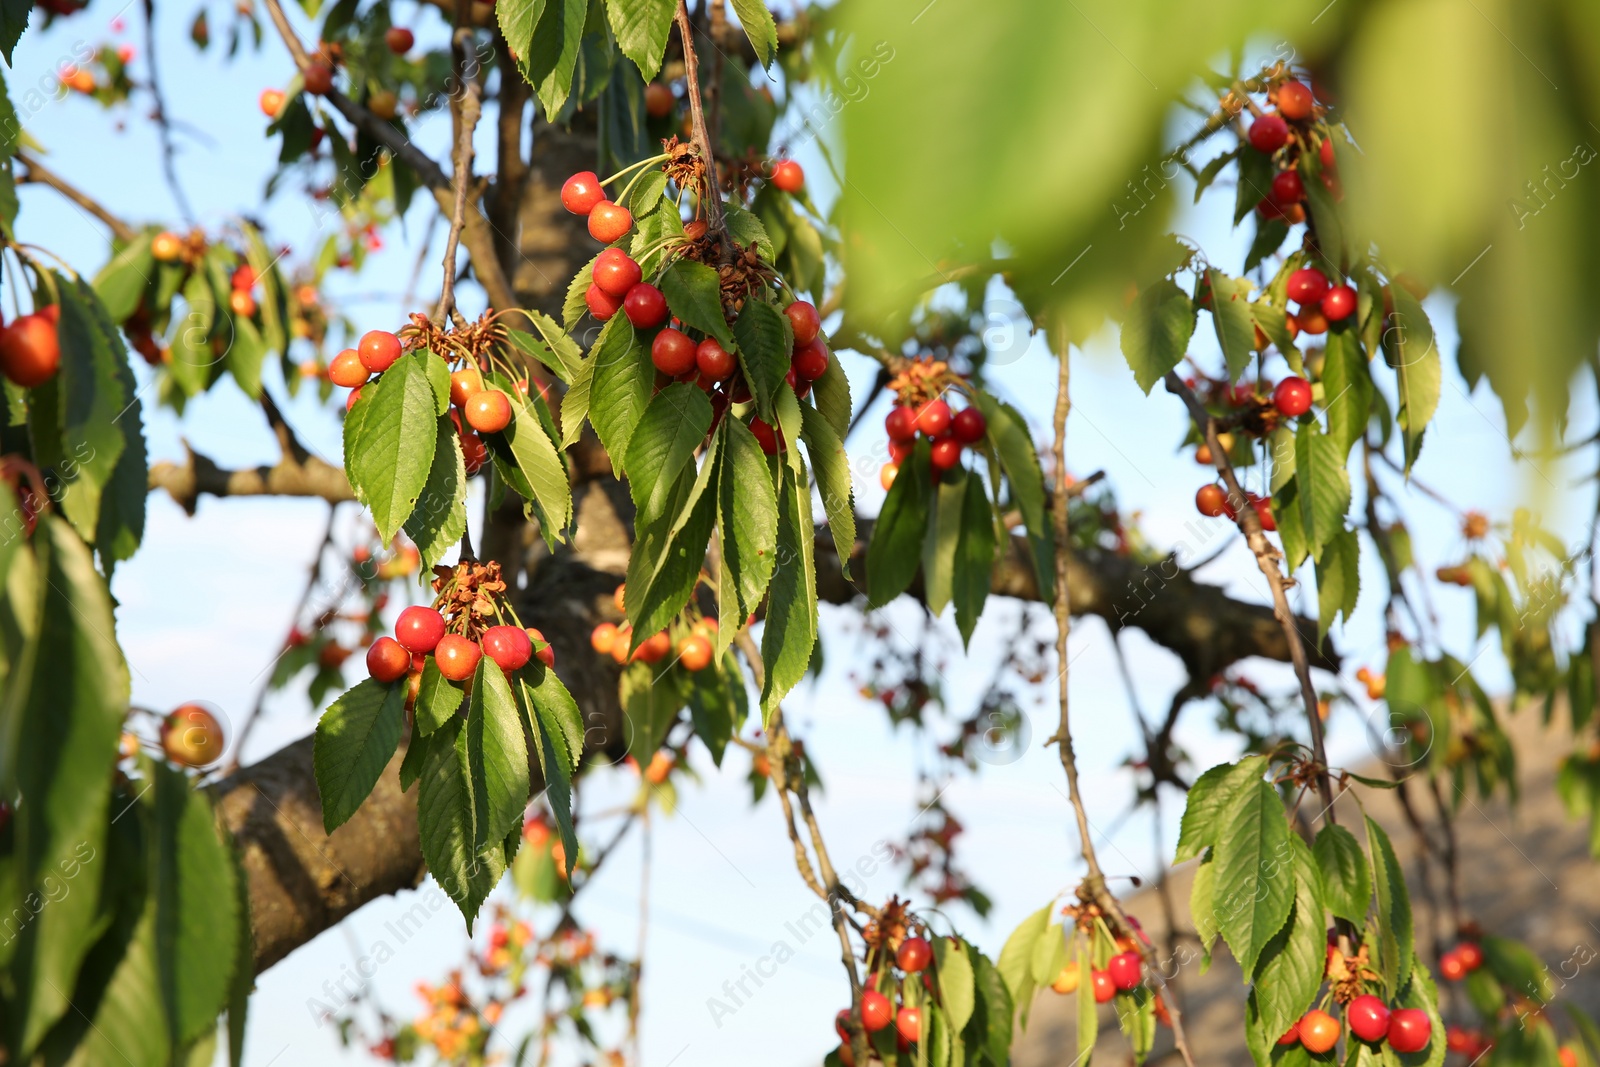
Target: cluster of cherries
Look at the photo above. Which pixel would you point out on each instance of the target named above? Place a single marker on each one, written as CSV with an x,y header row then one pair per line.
x,y
1377,685
420,632
1124,973
1405,1029
949,433
318,78
1291,122
617,284
30,349
1461,961
1291,398
1321,302
877,1011
695,649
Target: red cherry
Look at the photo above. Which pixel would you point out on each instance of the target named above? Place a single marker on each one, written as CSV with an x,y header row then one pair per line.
x,y
379,349
615,272
608,221
602,305
1339,303
714,361
1287,188
899,450
1451,967
1211,501
1294,101
766,436
1410,1030
673,352
945,453
350,401
271,102
901,424
908,1024
488,411
347,370
457,657
801,386
192,736
30,351
1319,1031
1104,987
1291,1036
319,78
933,418
1367,1018
805,321
658,100
419,628
876,1010
465,384
787,175
1292,397
509,646
839,1022
1307,285
1125,969
1325,153
581,192
1269,133
887,474
399,39
1263,507
914,954
969,425
645,306
811,360
1471,954
387,661
474,452
1567,1056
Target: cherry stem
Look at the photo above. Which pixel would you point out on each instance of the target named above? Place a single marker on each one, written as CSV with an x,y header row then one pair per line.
x,y
634,166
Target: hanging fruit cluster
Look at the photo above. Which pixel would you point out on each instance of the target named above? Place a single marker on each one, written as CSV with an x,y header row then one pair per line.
x,y
694,645
922,409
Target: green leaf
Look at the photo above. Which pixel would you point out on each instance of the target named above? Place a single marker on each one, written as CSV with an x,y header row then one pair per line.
x,y
1016,956
893,555
1256,171
525,446
663,444
1411,350
713,710
552,55
89,391
759,27
64,698
1230,313
197,905
694,293
1346,390
394,452
955,981
1273,321
832,468
1346,882
832,395
557,714
1137,1018
1330,227
1156,332
575,306
641,29
13,20
1338,580
192,357
1290,969
445,821
129,1022
765,342
651,702
497,755
649,194
122,282
554,347
1088,1010
1013,444
939,545
747,521
120,527
993,1018
668,556
355,739
575,404
623,379
975,559
790,630
1203,907
440,516
1212,794
416,756
438,700
1323,487
1252,894
1394,933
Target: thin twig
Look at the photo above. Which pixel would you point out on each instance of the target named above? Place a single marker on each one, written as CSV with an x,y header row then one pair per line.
x,y
169,164
712,198
44,176
465,107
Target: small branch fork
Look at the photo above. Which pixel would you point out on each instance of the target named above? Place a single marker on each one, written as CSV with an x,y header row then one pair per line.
x,y
1267,559
1093,889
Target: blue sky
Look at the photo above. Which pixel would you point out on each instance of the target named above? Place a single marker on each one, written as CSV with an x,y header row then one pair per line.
x,y
205,603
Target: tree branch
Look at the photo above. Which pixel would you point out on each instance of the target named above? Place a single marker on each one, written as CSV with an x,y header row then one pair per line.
x,y
38,173
465,107
711,199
